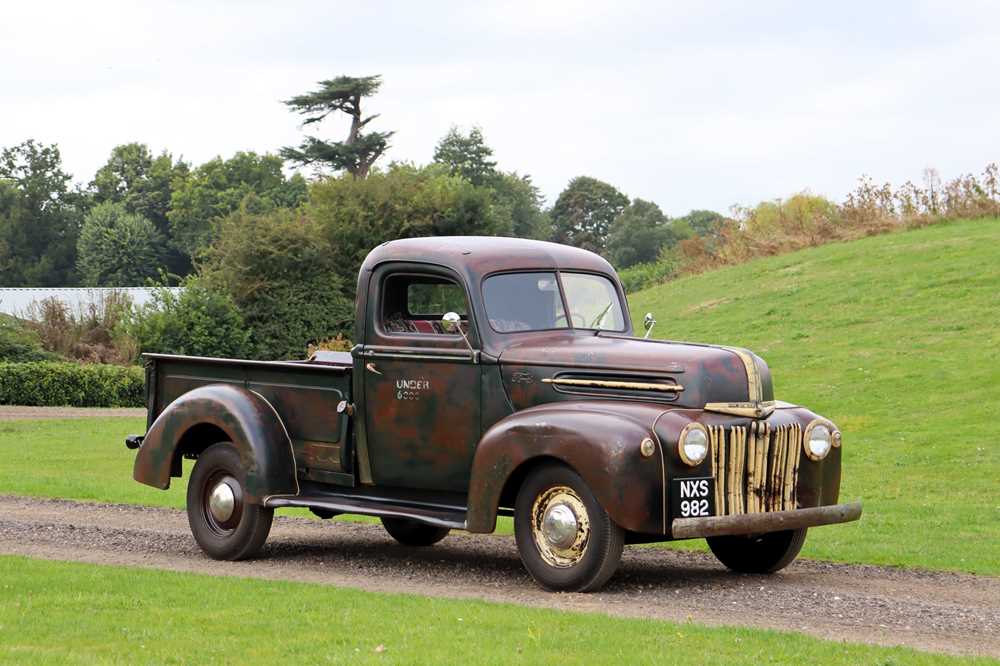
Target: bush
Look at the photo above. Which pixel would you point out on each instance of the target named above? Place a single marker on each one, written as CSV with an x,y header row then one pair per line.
x,y
355,215
282,274
117,248
806,220
51,384
197,322
19,343
94,334
643,276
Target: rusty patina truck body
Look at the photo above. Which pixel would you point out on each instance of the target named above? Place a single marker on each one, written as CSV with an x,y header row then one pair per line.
x,y
496,376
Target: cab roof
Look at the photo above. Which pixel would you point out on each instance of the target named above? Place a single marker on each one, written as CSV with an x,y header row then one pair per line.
x,y
476,256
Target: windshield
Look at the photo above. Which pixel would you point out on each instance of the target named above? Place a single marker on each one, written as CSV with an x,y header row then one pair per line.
x,y
593,302
532,302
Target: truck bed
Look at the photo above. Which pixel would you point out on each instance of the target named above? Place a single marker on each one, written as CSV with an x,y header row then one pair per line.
x,y
305,394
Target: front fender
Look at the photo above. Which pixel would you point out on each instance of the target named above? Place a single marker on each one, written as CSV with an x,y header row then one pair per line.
x,y
248,421
601,446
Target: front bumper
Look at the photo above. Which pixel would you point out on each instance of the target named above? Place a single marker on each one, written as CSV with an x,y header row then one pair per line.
x,y
756,523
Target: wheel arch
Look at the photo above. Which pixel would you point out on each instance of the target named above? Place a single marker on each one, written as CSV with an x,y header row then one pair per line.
x,y
517,477
601,446
213,413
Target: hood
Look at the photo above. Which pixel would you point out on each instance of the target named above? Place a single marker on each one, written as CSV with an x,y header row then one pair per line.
x,y
707,373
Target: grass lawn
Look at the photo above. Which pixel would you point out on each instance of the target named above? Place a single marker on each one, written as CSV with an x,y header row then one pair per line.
x,y
56,612
897,339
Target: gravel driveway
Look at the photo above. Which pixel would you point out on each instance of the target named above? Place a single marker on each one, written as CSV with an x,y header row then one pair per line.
x,y
937,611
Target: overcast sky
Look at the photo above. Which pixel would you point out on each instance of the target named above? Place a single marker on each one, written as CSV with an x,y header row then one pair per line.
x,y
691,105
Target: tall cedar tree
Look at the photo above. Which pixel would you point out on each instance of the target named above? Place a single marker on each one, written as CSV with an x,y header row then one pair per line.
x,y
358,152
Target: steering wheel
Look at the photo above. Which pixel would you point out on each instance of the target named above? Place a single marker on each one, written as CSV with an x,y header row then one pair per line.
x,y
583,322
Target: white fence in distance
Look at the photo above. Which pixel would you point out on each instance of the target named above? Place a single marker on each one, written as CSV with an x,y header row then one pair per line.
x,y
17,301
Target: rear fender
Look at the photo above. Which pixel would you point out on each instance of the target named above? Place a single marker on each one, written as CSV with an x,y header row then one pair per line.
x,y
247,420
601,446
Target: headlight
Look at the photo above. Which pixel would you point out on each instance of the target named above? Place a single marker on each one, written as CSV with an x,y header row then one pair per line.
x,y
818,440
692,446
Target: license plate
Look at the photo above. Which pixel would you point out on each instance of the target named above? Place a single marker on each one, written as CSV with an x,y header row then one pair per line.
x,y
692,497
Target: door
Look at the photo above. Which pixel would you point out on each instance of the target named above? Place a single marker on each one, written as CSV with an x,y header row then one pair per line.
x,y
422,383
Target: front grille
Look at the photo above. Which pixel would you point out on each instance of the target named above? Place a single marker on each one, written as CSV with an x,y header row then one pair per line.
x,y
756,468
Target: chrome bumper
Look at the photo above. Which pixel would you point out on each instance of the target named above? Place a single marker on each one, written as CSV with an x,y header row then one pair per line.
x,y
774,521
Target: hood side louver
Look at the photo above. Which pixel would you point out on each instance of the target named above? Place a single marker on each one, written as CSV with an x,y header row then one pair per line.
x,y
617,385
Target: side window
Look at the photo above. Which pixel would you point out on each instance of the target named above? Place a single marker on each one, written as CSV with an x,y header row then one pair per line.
x,y
416,303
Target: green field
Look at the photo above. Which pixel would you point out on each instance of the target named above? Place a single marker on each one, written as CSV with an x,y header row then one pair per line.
x,y
897,339
54,612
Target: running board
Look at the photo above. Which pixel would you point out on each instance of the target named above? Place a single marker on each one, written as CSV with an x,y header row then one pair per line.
x,y
439,516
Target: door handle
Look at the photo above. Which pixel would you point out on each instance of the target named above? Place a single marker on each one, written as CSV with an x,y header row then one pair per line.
x,y
370,367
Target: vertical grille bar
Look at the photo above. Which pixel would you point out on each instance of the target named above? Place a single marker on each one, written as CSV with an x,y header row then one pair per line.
x,y
752,467
777,470
756,467
739,485
718,437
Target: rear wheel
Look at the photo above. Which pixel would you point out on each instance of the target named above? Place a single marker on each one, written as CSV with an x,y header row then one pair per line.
x,y
413,533
758,553
566,539
222,522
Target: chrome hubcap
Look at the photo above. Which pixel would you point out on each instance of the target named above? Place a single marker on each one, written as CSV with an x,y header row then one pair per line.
x,y
560,526
222,502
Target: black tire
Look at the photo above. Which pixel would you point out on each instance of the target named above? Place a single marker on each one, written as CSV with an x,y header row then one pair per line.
x,y
243,533
594,554
759,553
413,533
325,514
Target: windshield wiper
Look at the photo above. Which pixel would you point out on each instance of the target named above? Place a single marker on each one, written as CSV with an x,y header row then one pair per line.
x,y
599,320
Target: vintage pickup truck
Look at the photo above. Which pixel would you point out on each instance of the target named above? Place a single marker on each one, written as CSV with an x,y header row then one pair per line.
x,y
497,376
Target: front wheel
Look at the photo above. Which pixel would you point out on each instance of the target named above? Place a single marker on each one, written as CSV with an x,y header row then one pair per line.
x,y
567,541
222,522
758,553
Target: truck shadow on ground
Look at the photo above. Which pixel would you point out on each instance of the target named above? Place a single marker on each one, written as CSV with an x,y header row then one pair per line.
x,y
492,561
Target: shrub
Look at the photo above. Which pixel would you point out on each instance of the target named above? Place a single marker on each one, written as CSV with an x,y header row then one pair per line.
x,y
18,342
53,384
282,274
643,276
197,322
95,334
356,215
805,220
117,248
338,343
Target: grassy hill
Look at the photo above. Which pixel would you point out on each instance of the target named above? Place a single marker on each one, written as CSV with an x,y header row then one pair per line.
x,y
897,339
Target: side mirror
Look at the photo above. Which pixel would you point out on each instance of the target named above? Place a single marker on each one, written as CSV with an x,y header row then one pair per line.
x,y
648,322
451,322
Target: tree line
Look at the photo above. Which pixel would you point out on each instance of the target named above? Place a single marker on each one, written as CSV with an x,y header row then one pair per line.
x,y
272,257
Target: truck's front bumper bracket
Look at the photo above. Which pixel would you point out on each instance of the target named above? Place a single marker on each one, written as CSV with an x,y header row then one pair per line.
x,y
757,523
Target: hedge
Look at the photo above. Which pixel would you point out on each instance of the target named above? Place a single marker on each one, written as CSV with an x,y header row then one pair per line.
x,y
51,384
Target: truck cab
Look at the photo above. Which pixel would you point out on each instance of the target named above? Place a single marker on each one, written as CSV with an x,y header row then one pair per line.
x,y
498,376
